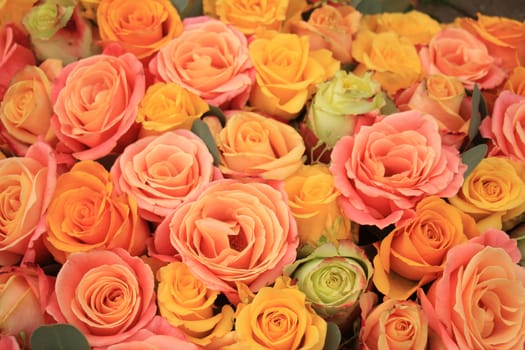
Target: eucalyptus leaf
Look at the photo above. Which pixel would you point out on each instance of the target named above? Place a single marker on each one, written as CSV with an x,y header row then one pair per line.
x,y
58,337
395,5
200,128
369,7
216,112
389,107
473,156
333,337
479,111
188,8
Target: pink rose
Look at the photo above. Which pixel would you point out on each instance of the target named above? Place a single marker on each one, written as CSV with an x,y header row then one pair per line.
x,y
231,232
210,59
26,186
159,172
95,103
108,295
24,293
506,125
8,342
456,52
479,301
386,168
157,335
15,54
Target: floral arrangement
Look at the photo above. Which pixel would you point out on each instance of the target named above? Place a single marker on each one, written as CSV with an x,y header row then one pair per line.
x,y
260,175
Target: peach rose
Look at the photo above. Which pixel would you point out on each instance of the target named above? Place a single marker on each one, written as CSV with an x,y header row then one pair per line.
x,y
231,232
444,98
157,335
14,12
516,81
209,59
26,186
287,72
159,172
86,213
386,168
493,193
168,106
15,54
313,200
413,254
257,146
26,110
476,304
331,28
416,26
505,126
392,58
107,294
504,37
24,293
141,27
187,304
95,103
279,317
456,52
393,324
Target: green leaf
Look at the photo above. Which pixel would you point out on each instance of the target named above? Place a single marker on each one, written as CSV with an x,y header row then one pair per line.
x,y
473,156
395,5
369,7
389,107
216,112
188,8
201,129
333,337
479,111
58,337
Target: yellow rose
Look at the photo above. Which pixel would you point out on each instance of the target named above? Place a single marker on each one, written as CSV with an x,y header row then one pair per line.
x,y
279,318
141,27
257,146
188,305
249,16
169,106
312,197
89,8
287,72
418,27
516,81
393,59
26,109
493,193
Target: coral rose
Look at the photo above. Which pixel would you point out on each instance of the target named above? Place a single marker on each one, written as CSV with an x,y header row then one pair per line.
x,y
231,232
24,294
210,59
456,52
493,193
391,57
287,72
108,295
504,37
86,213
477,304
413,254
140,27
187,304
253,145
516,81
386,168
393,324
159,172
280,318
9,342
505,126
26,186
331,28
14,46
443,97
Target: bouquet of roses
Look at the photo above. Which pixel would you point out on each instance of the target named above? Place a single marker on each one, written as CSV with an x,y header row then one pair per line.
x,y
275,174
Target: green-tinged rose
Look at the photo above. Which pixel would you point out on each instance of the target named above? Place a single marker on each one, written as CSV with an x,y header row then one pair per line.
x,y
44,20
339,102
333,279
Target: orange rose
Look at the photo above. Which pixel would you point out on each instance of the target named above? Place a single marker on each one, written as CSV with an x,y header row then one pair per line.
x,y
504,37
516,81
141,27
253,145
15,11
86,213
413,254
331,28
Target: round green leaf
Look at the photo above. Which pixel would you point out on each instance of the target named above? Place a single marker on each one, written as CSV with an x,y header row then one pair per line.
x,y
58,337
